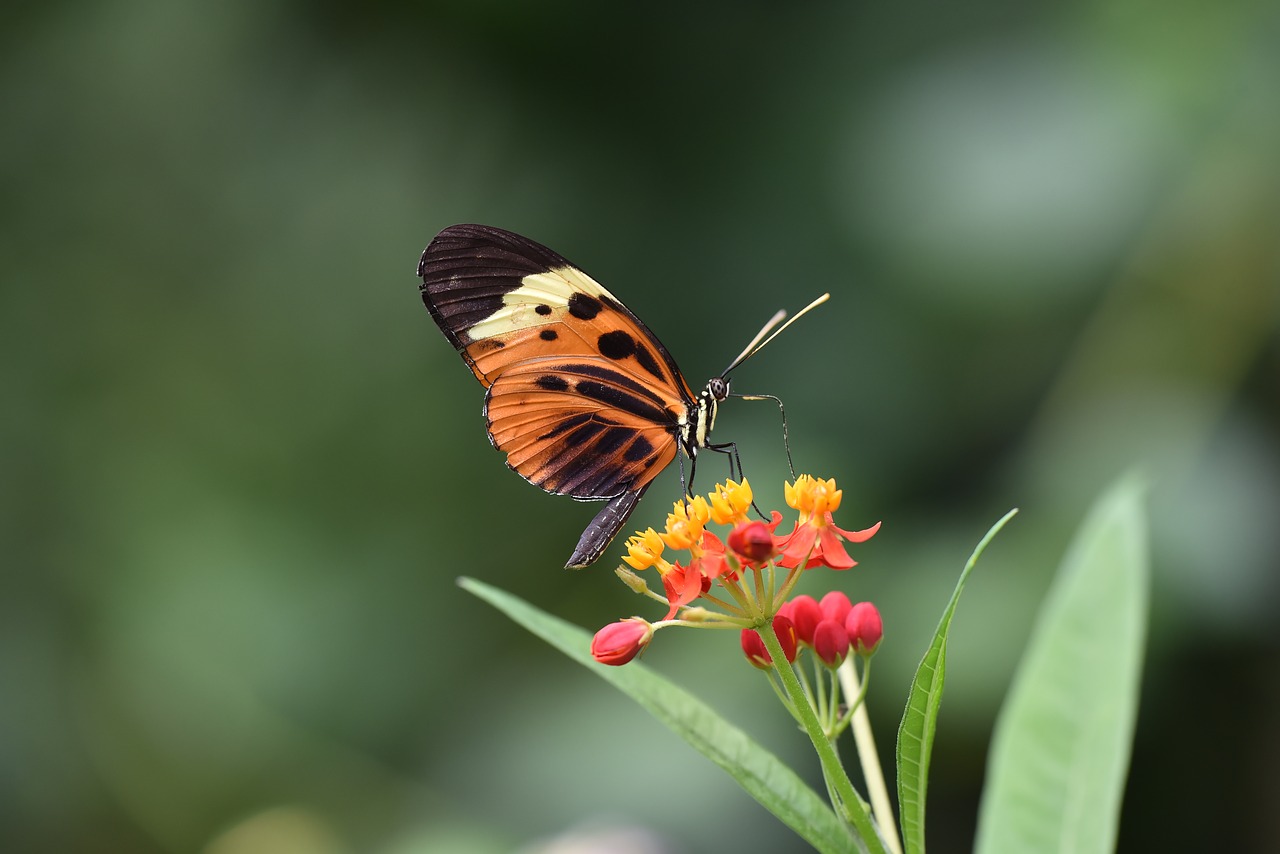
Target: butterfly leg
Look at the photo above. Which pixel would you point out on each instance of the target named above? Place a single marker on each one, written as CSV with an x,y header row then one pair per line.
x,y
785,443
730,450
686,484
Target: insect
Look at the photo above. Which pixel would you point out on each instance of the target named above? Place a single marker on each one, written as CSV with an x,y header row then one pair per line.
x,y
582,398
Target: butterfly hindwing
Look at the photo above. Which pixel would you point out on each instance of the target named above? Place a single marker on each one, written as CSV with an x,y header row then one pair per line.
x,y
581,428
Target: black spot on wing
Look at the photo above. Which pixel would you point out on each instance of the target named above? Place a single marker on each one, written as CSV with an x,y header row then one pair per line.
x,y
646,360
543,309
616,345
584,306
548,335
619,344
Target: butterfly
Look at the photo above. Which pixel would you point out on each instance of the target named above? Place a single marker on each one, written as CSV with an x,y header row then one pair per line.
x,y
582,398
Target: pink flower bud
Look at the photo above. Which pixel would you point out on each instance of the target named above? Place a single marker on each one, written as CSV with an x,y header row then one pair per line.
x,y
835,606
830,643
804,613
752,542
618,643
753,645
864,627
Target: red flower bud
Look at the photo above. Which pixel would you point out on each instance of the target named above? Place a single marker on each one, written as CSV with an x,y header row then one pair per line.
x,y
753,645
804,613
618,643
752,542
864,627
835,606
830,643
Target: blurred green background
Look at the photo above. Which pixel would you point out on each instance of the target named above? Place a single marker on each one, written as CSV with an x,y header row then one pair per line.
x,y
242,467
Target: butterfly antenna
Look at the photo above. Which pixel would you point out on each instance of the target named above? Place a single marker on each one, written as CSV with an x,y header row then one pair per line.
x,y
757,344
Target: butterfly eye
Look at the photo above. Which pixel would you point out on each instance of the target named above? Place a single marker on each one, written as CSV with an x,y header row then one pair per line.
x,y
719,388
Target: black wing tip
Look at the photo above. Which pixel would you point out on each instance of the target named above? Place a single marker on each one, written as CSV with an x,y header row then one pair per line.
x,y
471,237
467,231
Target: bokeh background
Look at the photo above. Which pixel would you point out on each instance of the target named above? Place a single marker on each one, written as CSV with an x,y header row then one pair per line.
x,y
241,468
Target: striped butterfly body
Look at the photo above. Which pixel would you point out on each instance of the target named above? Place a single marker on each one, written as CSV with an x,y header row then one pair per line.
x,y
582,398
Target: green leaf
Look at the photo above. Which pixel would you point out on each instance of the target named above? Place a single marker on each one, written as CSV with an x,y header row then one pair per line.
x,y
919,721
1060,753
757,770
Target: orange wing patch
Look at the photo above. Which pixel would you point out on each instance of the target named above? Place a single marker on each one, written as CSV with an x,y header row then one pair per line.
x,y
581,428
532,325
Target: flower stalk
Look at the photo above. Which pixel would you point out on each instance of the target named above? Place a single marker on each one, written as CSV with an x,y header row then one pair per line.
x,y
868,756
848,803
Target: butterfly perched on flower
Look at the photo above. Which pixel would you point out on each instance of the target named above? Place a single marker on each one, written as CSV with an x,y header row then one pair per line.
x,y
582,398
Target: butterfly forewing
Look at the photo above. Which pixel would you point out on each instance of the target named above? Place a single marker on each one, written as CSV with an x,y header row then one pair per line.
x,y
504,300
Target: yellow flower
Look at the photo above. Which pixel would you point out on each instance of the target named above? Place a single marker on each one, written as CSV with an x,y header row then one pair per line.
x,y
813,497
685,523
730,501
645,550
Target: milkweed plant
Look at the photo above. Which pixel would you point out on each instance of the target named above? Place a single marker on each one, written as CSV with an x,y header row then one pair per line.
x,y
1060,752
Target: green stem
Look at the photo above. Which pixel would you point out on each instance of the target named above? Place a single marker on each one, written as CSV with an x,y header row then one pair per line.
x,y
867,753
849,804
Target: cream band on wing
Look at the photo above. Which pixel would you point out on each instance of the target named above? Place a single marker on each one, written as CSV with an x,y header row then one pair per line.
x,y
541,298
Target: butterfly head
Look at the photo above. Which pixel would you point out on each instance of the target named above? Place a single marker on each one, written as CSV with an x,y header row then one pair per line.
x,y
702,416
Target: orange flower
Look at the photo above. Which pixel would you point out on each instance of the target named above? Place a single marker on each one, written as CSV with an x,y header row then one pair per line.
x,y
815,535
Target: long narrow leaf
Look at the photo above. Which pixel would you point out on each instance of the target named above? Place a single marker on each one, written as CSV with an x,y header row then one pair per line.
x,y
919,721
757,770
1060,754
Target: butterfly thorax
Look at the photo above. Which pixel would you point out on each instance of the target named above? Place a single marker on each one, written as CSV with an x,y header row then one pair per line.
x,y
696,426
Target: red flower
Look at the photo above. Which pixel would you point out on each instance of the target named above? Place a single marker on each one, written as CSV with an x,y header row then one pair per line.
x,y
830,642
821,540
683,584
804,614
864,627
835,606
710,560
618,643
753,646
752,541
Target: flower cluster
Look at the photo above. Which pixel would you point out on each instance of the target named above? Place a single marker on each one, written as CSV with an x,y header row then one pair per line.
x,y
748,577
